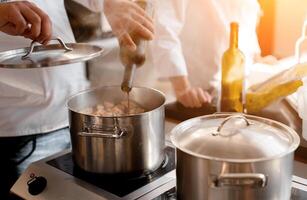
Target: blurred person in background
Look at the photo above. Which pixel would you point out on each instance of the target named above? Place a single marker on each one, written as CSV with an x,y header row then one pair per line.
x,y
191,37
33,113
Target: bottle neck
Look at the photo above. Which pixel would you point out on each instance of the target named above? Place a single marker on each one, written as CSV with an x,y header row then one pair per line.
x,y
234,30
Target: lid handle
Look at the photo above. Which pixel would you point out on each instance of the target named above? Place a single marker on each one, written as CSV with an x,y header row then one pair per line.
x,y
219,129
33,45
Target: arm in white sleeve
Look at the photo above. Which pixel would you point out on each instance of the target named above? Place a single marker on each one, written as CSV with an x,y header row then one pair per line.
x,y
167,52
93,5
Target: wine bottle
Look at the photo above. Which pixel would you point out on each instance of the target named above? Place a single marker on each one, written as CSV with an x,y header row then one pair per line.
x,y
232,74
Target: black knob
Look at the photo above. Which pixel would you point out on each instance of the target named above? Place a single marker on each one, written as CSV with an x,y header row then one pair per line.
x,y
36,185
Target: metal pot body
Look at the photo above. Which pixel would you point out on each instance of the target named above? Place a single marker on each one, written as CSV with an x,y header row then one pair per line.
x,y
132,144
234,157
203,179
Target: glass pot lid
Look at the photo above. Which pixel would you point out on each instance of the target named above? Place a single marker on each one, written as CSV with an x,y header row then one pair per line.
x,y
49,55
234,138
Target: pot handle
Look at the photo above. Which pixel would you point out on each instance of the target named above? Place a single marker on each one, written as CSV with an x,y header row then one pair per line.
x,y
65,47
115,132
255,180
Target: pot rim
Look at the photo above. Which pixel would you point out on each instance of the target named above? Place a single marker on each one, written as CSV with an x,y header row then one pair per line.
x,y
114,86
292,147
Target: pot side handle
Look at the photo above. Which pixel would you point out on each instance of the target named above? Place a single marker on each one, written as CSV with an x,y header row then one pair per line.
x,y
92,130
116,133
255,180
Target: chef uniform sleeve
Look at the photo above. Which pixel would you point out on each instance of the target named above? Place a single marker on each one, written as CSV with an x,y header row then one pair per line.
x,y
166,48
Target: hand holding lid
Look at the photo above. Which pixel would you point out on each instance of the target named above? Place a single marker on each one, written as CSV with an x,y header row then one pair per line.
x,y
25,19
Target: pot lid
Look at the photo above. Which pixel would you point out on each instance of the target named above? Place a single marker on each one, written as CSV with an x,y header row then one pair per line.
x,y
49,55
234,138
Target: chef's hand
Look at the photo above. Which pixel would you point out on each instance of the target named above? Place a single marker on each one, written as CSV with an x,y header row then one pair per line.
x,y
25,19
126,17
192,97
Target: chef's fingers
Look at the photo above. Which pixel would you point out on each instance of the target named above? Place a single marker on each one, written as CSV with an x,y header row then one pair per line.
x,y
142,31
182,98
195,98
209,97
16,23
126,40
141,11
143,21
204,96
10,29
45,42
46,25
201,96
34,20
185,101
189,98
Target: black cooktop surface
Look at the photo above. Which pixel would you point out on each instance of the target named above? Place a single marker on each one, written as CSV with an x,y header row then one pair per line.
x,y
117,185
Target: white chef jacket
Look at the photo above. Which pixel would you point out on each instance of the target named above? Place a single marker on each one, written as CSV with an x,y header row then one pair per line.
x,y
34,100
192,35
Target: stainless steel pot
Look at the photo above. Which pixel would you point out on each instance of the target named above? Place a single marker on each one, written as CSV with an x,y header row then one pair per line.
x,y
121,145
234,157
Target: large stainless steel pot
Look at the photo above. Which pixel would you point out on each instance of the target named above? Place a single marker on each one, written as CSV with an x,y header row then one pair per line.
x,y
126,144
234,157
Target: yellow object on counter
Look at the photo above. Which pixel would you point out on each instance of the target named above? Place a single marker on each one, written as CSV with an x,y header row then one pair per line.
x,y
281,85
